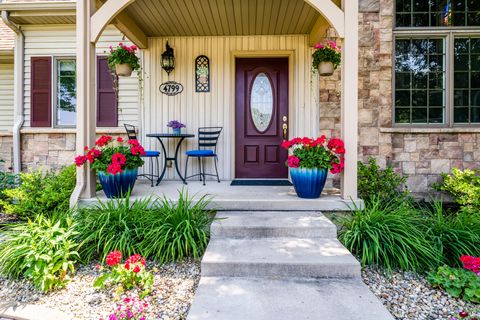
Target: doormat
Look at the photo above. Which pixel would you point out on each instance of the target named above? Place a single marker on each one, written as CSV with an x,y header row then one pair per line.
x,y
273,183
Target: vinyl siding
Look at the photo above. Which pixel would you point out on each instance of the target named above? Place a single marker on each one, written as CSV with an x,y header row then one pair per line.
x,y
59,41
216,108
6,97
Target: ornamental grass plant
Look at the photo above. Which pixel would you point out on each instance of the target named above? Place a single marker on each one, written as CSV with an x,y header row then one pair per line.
x,y
389,235
157,229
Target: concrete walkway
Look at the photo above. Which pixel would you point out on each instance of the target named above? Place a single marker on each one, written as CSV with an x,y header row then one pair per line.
x,y
280,265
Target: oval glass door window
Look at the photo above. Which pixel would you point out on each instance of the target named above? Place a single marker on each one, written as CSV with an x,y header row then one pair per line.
x,y
261,102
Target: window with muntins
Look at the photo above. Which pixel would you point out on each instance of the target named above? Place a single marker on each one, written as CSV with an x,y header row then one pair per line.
x,y
437,62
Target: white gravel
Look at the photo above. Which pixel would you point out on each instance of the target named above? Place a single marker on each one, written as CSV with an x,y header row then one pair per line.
x,y
411,297
173,291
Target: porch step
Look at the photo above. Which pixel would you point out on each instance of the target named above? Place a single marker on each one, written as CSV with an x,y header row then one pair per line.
x,y
292,299
279,257
271,224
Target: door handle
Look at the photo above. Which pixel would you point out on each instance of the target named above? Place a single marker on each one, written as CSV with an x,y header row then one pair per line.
x,y
285,127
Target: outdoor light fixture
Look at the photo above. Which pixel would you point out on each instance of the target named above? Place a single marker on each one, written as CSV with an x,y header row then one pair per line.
x,y
168,59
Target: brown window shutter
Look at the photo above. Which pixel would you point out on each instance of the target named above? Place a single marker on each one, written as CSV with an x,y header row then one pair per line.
x,y
107,111
41,92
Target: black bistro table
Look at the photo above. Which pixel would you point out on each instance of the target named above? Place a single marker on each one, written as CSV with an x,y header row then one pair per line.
x,y
160,137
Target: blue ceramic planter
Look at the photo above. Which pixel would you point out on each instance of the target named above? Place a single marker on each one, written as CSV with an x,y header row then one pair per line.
x,y
118,185
308,183
177,130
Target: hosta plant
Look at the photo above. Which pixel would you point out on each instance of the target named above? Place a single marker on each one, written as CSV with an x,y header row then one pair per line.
x,y
129,275
42,250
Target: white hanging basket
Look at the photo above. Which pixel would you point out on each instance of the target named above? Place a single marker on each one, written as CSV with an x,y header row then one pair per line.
x,y
325,68
123,70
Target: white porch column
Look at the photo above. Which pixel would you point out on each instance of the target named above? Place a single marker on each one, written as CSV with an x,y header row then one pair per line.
x,y
86,114
349,111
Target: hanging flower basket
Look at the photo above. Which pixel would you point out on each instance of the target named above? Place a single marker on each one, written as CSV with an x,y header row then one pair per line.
x,y
123,59
326,68
124,70
326,58
116,163
310,161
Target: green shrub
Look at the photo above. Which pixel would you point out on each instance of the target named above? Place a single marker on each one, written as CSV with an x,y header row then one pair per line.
x,y
463,186
452,234
388,236
40,250
41,193
156,229
384,185
459,283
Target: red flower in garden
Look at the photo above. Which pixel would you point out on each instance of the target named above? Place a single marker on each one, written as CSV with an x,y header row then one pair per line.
x,y
127,265
135,258
137,149
103,140
463,314
114,258
336,145
306,141
286,144
120,139
338,167
293,161
295,141
471,263
80,160
114,168
92,154
136,269
119,158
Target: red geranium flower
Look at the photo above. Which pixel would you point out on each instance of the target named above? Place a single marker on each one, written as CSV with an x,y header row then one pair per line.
x,y
119,158
80,160
336,145
114,168
127,265
120,139
338,167
286,144
114,258
136,269
293,161
103,140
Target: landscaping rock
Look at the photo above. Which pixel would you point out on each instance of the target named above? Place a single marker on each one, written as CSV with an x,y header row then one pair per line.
x,y
173,291
410,297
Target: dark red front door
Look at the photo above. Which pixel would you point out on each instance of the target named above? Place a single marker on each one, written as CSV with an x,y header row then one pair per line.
x,y
261,117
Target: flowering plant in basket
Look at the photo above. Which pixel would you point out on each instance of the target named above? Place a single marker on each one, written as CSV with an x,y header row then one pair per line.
x,y
130,275
328,52
112,155
123,54
316,153
175,124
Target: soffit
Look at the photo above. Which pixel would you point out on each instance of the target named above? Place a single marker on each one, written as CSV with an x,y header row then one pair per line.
x,y
222,17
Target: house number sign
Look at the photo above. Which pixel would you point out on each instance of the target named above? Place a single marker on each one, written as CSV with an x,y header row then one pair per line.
x,y
171,88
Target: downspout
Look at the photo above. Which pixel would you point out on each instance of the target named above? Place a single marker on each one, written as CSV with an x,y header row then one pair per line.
x,y
19,79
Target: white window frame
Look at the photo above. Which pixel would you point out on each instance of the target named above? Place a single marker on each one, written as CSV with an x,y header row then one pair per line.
x,y
55,90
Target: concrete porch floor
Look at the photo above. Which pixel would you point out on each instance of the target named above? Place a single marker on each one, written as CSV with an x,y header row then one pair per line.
x,y
226,197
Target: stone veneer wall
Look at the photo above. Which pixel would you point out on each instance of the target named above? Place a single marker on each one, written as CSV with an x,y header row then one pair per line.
x,y
420,154
6,152
50,151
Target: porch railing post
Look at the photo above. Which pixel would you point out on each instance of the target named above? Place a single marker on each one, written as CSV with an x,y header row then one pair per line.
x,y
86,114
349,111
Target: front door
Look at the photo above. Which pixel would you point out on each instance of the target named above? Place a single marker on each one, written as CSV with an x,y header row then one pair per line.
x,y
261,117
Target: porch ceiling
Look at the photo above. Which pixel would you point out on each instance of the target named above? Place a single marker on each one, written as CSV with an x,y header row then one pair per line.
x,y
222,17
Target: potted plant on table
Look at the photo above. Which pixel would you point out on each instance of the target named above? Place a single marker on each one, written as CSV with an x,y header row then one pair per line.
x,y
123,59
310,161
176,126
326,58
116,163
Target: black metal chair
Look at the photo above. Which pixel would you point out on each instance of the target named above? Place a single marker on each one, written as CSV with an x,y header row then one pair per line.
x,y
207,148
132,135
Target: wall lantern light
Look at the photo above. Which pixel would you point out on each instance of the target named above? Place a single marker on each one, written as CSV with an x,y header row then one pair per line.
x,y
168,59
